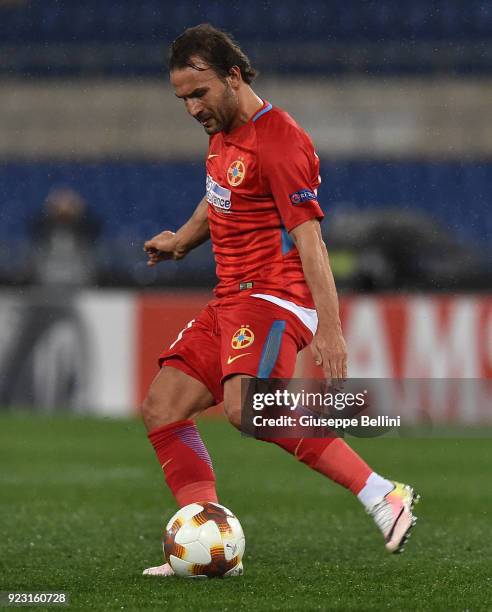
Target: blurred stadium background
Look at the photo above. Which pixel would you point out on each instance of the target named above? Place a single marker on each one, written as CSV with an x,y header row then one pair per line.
x,y
96,155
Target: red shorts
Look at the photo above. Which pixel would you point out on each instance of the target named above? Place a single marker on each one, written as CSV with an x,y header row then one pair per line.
x,y
238,335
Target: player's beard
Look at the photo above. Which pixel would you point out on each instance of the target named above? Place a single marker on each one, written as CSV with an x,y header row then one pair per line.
x,y
223,118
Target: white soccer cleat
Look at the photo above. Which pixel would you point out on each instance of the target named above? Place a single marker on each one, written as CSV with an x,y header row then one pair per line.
x,y
159,570
393,515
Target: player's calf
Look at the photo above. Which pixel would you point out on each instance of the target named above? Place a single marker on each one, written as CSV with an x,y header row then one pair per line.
x,y
172,399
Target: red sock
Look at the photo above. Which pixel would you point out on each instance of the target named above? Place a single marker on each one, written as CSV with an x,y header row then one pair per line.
x,y
331,457
185,462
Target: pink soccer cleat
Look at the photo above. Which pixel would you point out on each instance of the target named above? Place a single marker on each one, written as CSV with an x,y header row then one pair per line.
x,y
393,515
159,570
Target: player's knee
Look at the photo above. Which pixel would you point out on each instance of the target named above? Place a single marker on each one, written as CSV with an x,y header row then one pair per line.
x,y
150,409
156,411
232,410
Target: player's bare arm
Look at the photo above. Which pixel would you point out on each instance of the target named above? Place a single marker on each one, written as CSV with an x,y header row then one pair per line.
x,y
328,345
170,245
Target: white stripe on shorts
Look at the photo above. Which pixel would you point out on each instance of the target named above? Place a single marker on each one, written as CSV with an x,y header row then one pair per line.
x,y
308,316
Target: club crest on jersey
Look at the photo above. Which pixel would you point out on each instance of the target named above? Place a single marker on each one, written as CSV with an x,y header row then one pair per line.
x,y
243,338
304,195
236,173
218,196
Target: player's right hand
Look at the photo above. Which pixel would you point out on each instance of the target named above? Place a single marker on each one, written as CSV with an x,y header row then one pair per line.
x,y
161,247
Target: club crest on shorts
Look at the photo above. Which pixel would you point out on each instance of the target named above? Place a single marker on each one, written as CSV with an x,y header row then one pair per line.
x,y
236,173
243,338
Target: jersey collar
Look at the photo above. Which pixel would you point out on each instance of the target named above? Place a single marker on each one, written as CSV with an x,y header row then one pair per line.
x,y
267,106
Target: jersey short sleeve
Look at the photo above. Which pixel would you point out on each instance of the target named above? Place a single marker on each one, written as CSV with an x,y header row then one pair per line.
x,y
290,171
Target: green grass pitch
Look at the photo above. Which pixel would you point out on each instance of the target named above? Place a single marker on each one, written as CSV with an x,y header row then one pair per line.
x,y
83,502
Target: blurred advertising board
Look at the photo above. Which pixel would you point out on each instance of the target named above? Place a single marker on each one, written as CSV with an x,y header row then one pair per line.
x,y
96,351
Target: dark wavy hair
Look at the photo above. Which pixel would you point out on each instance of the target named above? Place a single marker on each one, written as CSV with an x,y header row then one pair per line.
x,y
216,48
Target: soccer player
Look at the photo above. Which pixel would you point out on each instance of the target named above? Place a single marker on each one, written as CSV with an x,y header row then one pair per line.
x,y
276,292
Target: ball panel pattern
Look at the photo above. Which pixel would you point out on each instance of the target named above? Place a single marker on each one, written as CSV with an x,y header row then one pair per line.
x,y
189,533
185,513
171,547
218,566
216,513
194,552
182,568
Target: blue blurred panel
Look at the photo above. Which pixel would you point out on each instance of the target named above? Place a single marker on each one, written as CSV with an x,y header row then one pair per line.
x,y
130,20
136,200
458,195
388,32
125,196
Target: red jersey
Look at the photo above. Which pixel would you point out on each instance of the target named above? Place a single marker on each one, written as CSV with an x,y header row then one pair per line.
x,y
262,180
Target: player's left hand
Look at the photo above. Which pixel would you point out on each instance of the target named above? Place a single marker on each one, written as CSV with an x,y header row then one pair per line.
x,y
330,351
